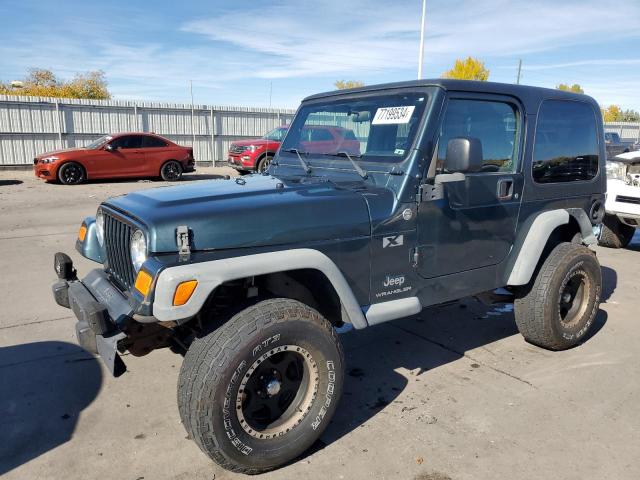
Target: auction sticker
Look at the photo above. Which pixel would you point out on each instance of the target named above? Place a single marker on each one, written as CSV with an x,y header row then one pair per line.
x,y
393,115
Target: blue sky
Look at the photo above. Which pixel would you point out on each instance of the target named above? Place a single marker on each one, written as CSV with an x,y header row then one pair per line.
x,y
234,51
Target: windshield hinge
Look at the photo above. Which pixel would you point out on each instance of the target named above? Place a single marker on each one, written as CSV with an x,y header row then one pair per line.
x,y
182,239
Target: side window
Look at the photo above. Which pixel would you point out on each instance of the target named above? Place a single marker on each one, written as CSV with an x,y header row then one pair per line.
x,y
566,143
128,141
494,123
152,142
321,135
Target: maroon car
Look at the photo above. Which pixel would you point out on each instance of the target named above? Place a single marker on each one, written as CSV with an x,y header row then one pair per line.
x,y
255,155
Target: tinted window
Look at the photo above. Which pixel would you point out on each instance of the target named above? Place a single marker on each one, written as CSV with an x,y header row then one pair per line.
x,y
566,143
495,124
128,141
152,142
320,135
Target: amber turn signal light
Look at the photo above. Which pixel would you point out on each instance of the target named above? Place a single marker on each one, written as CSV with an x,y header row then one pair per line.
x,y
183,292
143,282
82,233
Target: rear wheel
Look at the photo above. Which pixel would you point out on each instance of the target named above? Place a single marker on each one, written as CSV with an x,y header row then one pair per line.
x,y
558,307
264,163
171,171
614,233
257,392
72,174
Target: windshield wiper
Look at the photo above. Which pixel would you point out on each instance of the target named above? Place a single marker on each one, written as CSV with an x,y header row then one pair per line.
x,y
357,167
305,165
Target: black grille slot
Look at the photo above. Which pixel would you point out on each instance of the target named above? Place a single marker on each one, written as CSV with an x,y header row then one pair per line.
x,y
622,198
117,239
237,149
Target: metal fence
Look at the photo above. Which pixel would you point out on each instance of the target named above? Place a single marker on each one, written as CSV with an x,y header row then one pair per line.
x,y
627,131
33,125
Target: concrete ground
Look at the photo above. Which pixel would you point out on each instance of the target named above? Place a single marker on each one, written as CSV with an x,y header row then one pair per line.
x,y
454,393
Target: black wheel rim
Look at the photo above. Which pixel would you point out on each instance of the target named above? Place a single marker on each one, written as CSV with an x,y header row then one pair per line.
x,y
172,171
72,174
277,392
574,298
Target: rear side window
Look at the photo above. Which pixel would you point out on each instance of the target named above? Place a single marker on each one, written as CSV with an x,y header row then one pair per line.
x,y
566,143
152,142
320,135
128,141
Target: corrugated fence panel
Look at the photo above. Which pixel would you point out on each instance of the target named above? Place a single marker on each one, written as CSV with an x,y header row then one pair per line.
x,y
33,125
627,130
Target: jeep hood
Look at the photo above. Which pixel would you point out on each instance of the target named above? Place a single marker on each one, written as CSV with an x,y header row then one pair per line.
x,y
252,211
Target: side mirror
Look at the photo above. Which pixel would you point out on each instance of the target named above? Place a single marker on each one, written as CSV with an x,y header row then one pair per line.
x,y
109,147
464,154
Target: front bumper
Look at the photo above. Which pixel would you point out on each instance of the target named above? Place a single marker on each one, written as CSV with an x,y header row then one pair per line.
x,y
623,201
235,161
102,312
44,171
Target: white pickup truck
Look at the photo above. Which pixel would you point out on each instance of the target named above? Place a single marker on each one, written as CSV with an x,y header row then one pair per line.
x,y
623,200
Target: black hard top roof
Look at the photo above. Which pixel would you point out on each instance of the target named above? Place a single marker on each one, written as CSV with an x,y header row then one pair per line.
x,y
525,93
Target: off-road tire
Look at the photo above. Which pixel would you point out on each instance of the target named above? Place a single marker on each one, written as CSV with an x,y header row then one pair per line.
x,y
538,307
264,163
72,173
171,171
614,233
217,365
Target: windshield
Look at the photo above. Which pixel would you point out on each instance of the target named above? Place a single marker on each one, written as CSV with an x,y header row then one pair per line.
x,y
99,142
277,134
377,128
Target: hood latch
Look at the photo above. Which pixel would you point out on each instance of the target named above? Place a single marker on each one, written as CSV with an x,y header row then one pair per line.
x,y
182,239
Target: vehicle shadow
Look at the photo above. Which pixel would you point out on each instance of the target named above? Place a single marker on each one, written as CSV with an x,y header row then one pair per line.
x,y
4,183
609,283
418,344
44,388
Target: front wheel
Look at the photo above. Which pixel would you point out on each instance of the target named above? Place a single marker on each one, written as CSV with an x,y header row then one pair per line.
x,y
557,309
614,233
171,171
264,163
71,173
258,392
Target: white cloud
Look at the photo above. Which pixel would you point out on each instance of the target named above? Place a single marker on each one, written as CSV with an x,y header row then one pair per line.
x,y
311,38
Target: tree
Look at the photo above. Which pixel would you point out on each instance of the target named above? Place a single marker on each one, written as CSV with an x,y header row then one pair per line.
x,y
613,113
44,83
343,84
575,88
630,116
468,69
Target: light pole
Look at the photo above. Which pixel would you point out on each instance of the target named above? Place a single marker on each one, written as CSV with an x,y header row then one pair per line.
x,y
421,54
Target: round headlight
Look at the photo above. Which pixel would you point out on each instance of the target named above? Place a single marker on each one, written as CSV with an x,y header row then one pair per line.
x,y
100,227
138,249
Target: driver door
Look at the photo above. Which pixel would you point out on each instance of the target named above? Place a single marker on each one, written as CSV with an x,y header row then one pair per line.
x,y
128,157
471,223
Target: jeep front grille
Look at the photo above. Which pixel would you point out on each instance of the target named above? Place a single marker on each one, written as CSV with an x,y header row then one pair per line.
x,y
117,239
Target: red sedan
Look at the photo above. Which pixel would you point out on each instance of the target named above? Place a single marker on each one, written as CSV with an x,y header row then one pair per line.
x,y
255,155
117,156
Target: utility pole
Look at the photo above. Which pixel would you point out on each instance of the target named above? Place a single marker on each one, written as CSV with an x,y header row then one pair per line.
x,y
519,70
421,54
270,92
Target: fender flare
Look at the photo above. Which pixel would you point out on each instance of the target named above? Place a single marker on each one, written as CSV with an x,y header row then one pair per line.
x,y
537,236
213,273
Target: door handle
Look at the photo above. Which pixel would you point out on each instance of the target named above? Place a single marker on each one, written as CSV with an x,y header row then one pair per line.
x,y
505,189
